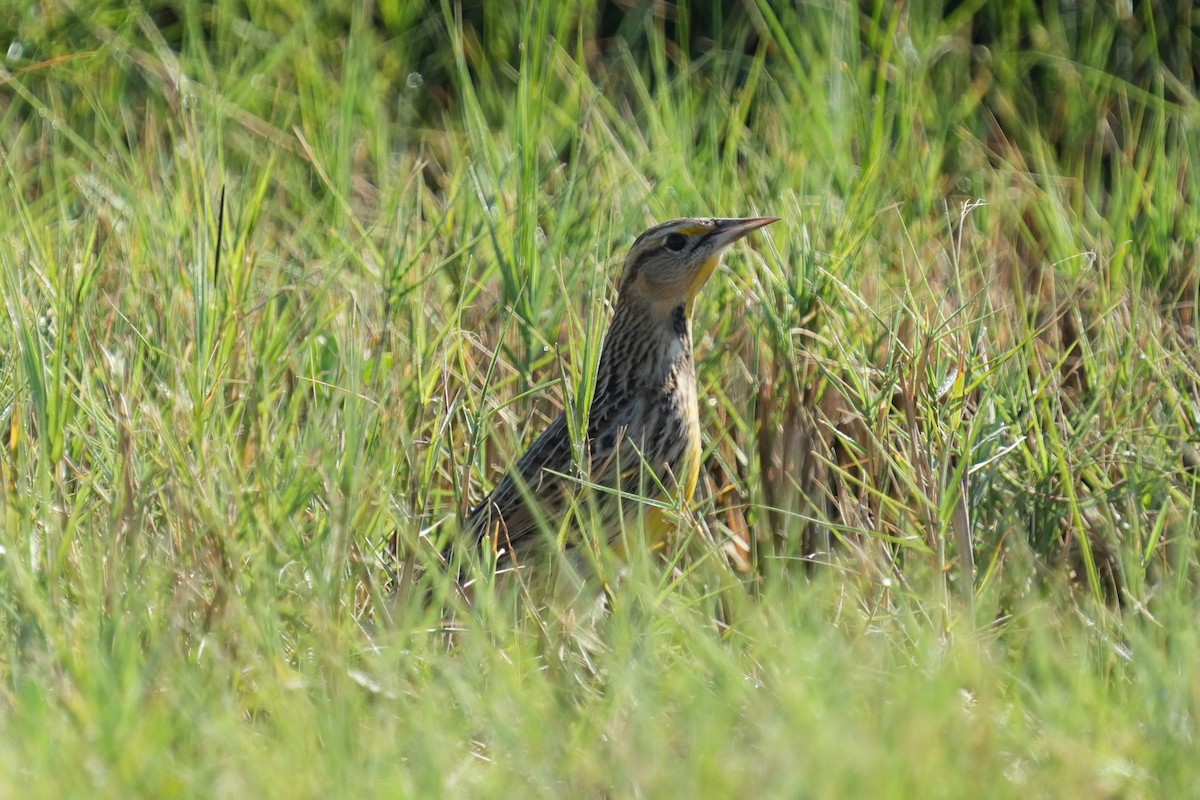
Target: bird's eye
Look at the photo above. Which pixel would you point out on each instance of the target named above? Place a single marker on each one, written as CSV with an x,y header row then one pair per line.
x,y
676,242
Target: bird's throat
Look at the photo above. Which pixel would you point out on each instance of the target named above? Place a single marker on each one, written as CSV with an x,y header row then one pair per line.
x,y
702,275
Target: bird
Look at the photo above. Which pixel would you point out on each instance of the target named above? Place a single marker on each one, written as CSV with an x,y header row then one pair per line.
x,y
643,429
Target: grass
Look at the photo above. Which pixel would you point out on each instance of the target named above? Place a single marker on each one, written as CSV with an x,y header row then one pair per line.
x,y
285,291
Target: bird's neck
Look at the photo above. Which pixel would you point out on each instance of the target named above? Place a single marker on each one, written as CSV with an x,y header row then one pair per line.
x,y
645,347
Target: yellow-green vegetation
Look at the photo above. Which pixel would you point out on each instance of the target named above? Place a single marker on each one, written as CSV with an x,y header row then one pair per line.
x,y
287,286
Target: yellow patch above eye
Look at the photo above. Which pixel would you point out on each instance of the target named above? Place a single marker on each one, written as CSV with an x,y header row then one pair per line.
x,y
691,230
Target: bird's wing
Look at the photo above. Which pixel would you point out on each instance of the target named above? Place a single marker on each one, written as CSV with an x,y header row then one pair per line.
x,y
620,457
624,452
505,514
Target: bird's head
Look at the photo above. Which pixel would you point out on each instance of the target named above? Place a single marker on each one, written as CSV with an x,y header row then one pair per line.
x,y
669,264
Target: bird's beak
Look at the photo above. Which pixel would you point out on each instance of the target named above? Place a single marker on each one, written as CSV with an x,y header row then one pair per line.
x,y
726,233
730,230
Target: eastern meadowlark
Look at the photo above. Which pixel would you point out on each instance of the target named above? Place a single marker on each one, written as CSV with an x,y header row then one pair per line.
x,y
643,430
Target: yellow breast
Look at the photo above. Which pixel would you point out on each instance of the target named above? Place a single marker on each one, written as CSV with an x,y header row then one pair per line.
x,y
691,470
660,522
